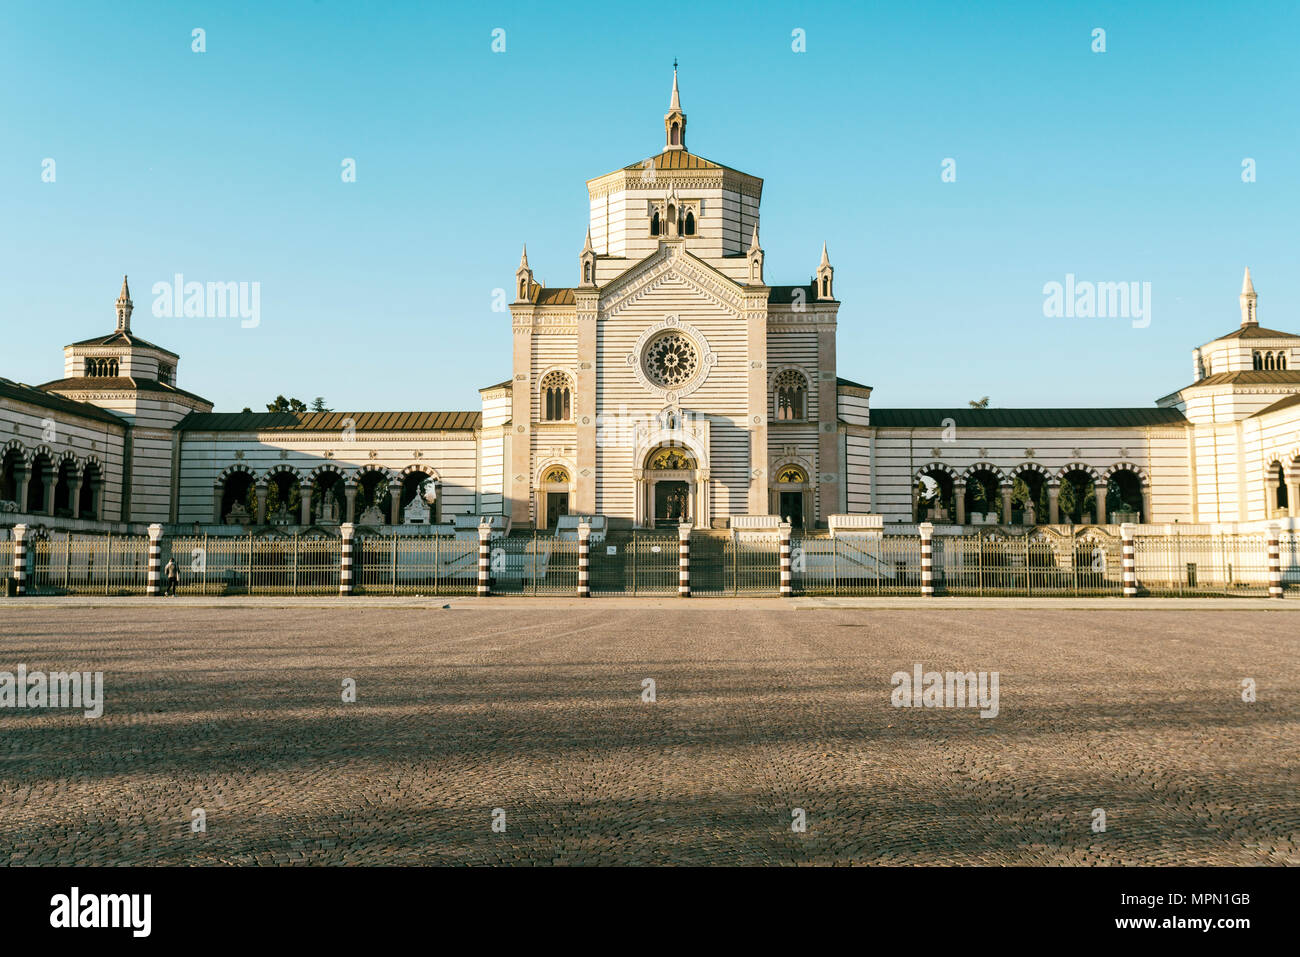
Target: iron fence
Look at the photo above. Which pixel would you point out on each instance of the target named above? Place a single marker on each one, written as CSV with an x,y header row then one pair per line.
x,y
1208,564
408,565
986,562
1039,563
646,564
224,565
856,565
112,565
535,565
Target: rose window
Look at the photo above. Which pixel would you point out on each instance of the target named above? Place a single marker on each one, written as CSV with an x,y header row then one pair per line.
x,y
671,359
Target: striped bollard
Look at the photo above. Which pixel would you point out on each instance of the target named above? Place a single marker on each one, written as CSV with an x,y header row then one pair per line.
x,y
1128,562
345,559
584,559
927,566
1274,562
684,560
153,588
20,558
484,559
787,575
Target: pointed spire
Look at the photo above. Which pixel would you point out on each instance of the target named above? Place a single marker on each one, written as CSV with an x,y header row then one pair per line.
x,y
753,245
675,119
586,247
123,308
825,260
523,258
1249,301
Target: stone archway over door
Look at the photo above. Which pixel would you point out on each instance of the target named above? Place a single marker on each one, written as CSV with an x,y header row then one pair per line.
x,y
677,470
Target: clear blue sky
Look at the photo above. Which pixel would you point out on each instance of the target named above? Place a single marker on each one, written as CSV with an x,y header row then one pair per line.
x,y
1122,166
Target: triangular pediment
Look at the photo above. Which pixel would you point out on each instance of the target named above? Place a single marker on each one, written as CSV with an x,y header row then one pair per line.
x,y
671,263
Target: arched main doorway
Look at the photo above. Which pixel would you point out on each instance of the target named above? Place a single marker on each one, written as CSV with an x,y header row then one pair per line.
x,y
670,481
792,495
554,494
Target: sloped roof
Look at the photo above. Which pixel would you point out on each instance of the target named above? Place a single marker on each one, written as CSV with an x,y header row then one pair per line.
x,y
117,384
123,339
48,400
331,421
1279,405
555,297
784,295
1026,418
680,159
851,384
1250,377
1258,332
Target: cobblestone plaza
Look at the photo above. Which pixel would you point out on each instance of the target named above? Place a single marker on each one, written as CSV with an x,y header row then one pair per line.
x,y
760,711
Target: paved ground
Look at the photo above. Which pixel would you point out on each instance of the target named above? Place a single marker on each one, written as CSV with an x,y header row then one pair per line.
x,y
537,710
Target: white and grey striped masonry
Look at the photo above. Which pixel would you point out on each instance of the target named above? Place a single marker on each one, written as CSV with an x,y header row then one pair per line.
x,y
1128,561
584,559
345,558
484,559
153,585
927,566
20,558
787,574
1274,562
684,560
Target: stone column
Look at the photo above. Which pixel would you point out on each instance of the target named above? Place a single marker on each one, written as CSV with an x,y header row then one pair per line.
x,y
345,558
1274,561
1146,504
306,504
22,477
584,559
20,558
154,586
97,498
787,573
1292,498
261,504
1053,508
74,493
684,560
1099,491
959,501
395,494
916,503
216,505
48,478
1006,505
484,559
350,491
927,560
1128,562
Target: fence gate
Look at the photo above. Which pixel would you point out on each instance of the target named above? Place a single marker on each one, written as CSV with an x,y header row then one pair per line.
x,y
534,565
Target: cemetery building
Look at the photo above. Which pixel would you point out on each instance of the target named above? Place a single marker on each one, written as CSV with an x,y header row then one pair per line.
x,y
675,380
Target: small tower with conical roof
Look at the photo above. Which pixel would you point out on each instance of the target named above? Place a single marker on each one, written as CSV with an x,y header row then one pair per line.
x,y
755,257
675,119
124,307
523,278
1248,300
825,277
587,263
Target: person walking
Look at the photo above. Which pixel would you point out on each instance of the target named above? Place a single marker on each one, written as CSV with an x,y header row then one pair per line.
x,y
173,577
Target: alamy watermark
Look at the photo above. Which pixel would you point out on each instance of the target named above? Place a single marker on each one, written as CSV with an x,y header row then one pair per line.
x,y
952,689
56,689
1098,300
179,299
